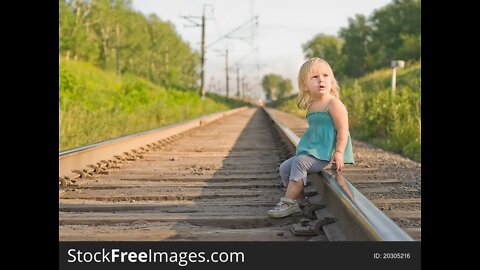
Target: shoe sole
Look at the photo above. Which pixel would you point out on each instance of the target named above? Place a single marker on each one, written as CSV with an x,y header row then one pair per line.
x,y
284,213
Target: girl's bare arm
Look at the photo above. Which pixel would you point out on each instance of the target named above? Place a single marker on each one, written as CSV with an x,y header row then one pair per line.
x,y
340,119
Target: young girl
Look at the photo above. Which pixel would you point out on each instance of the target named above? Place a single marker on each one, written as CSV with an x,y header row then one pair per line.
x,y
326,140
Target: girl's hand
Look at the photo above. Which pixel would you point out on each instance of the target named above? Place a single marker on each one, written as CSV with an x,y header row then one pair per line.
x,y
338,159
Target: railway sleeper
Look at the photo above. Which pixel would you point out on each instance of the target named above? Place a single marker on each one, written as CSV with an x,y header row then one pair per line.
x,y
108,163
130,157
96,168
82,173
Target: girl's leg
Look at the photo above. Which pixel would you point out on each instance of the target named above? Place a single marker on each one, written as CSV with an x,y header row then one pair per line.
x,y
285,169
301,166
295,190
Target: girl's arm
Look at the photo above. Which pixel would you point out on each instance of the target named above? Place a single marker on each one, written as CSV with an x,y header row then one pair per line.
x,y
340,119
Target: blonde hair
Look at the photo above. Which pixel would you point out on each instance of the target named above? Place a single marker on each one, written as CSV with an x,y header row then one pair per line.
x,y
304,99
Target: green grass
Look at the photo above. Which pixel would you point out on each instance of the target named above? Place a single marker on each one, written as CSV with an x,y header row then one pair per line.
x,y
381,79
95,105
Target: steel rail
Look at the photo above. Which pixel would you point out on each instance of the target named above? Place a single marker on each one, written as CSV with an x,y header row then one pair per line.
x,y
79,158
359,219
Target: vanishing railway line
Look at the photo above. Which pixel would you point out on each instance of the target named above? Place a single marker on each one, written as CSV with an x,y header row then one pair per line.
x,y
209,179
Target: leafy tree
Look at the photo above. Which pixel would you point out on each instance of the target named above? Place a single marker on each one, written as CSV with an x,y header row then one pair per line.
x,y
327,47
356,36
276,87
410,47
391,32
74,29
284,88
270,84
396,32
66,22
111,35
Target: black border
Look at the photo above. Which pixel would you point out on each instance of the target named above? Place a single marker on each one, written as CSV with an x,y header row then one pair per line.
x,y
30,45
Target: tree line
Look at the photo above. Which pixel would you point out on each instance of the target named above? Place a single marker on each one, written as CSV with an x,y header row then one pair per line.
x,y
369,43
276,87
111,35
391,33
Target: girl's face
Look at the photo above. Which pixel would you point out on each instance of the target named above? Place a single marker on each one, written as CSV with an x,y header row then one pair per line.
x,y
319,81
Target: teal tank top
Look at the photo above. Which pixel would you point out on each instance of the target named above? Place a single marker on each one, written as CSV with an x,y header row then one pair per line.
x,y
320,138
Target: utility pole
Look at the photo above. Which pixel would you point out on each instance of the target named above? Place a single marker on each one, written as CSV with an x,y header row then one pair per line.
x,y
238,83
244,87
226,70
202,74
204,47
228,35
239,93
202,60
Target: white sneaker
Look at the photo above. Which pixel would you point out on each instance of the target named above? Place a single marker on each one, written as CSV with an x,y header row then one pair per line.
x,y
279,211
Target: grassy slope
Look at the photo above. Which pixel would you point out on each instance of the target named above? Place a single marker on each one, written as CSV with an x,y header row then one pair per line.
x,y
96,105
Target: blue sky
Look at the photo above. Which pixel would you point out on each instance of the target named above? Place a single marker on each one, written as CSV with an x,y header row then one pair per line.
x,y
272,46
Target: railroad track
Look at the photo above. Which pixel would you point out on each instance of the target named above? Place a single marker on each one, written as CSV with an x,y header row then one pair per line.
x,y
208,179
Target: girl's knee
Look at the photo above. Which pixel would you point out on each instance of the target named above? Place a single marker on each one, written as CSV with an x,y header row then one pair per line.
x,y
284,167
300,162
281,168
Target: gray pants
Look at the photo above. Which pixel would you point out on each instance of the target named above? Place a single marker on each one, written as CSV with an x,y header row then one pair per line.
x,y
297,167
